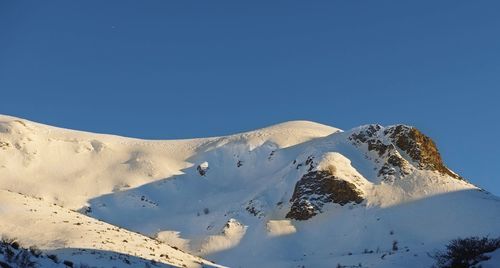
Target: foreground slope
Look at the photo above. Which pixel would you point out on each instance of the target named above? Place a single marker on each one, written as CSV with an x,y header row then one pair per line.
x,y
291,195
79,239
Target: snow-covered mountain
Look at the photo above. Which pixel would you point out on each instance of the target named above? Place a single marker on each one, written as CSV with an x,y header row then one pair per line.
x,y
290,195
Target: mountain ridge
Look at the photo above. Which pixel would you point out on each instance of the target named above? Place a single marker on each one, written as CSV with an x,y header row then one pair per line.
x,y
261,197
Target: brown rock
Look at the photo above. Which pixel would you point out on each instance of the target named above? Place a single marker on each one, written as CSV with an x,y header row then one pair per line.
x,y
317,188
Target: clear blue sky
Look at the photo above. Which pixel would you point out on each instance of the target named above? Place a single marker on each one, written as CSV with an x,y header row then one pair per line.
x,y
179,69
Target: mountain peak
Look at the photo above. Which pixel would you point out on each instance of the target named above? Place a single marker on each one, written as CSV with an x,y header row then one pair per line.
x,y
402,145
272,197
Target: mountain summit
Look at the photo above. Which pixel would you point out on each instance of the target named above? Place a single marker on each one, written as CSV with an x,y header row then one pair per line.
x,y
297,194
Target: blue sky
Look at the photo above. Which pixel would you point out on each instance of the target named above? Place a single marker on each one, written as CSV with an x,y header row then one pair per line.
x,y
180,69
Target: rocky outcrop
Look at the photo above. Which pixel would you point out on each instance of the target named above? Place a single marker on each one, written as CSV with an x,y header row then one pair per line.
x,y
393,165
315,189
419,148
393,142
202,168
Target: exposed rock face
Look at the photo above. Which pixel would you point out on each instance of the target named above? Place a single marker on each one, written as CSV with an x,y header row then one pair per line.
x,y
317,188
394,165
366,134
390,143
419,147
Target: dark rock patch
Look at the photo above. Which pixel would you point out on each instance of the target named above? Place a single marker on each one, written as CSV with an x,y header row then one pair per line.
x,y
202,170
254,208
317,188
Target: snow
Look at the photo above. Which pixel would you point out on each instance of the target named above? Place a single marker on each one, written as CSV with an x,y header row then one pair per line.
x,y
173,238
230,236
85,165
204,165
52,228
280,228
341,167
235,215
494,260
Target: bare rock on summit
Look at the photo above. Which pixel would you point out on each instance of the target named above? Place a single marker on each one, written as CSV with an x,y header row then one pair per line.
x,y
398,146
419,147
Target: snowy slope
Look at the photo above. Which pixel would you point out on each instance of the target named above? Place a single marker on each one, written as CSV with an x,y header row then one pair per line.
x,y
69,167
293,194
81,239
